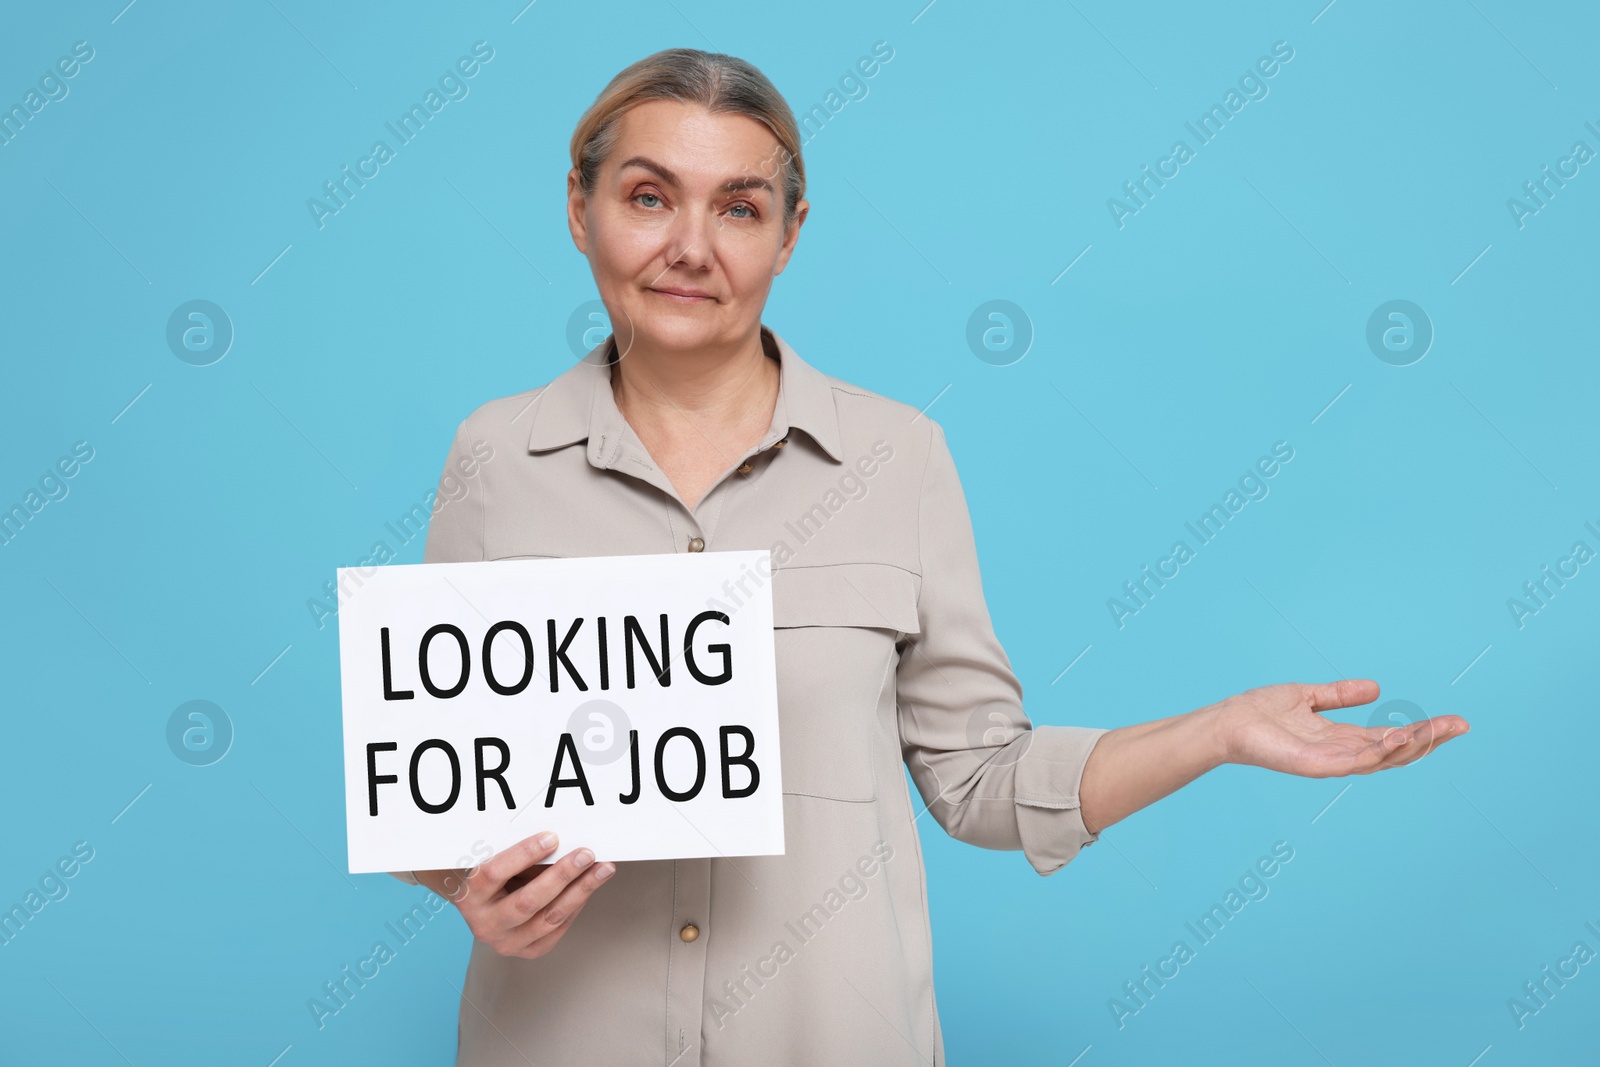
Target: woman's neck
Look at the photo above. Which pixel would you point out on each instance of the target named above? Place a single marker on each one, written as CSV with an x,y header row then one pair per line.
x,y
674,395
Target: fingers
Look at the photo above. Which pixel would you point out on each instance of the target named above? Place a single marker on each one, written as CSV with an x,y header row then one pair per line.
x,y
556,917
519,907
1397,746
551,922
1401,745
517,881
489,878
1345,693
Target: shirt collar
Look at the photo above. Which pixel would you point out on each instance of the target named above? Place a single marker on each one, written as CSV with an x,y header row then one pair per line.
x,y
578,405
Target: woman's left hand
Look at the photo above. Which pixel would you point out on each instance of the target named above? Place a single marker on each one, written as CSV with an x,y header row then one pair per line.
x,y
1282,728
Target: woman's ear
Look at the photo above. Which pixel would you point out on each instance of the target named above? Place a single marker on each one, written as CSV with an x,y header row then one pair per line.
x,y
577,205
789,239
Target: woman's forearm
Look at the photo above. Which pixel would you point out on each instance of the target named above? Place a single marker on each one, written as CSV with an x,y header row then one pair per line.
x,y
1134,766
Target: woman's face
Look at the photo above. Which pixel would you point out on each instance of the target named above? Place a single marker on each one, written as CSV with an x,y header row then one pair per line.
x,y
684,230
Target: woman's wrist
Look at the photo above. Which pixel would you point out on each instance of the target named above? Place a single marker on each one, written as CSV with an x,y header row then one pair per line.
x,y
1132,767
1215,728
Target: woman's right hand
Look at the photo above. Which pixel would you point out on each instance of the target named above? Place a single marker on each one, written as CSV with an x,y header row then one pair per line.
x,y
516,903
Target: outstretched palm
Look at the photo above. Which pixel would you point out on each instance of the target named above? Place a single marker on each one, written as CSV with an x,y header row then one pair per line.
x,y
1282,728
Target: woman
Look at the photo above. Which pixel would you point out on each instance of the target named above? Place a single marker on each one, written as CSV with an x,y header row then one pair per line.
x,y
696,428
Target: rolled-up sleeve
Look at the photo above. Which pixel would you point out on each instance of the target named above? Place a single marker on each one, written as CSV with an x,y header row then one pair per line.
x,y
455,529
988,775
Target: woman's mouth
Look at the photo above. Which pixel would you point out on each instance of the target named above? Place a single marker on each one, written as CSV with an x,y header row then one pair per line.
x,y
683,296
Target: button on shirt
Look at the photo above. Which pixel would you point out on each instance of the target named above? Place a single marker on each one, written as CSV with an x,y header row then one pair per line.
x,y
885,653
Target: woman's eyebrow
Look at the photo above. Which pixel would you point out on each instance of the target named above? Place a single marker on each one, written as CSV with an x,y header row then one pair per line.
x,y
666,174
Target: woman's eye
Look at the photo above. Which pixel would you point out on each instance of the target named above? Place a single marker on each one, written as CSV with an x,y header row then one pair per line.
x,y
745,207
652,196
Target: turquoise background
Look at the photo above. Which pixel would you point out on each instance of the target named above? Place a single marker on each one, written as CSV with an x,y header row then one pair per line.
x,y
1226,315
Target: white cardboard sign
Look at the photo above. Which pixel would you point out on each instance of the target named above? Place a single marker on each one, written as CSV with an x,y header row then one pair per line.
x,y
621,701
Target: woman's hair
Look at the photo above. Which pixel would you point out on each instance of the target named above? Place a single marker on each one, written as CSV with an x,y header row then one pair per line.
x,y
721,84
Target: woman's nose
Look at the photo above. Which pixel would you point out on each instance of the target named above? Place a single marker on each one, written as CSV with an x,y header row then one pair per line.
x,y
691,238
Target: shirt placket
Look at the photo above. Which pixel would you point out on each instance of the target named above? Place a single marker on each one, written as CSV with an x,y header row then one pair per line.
x,y
687,938
691,924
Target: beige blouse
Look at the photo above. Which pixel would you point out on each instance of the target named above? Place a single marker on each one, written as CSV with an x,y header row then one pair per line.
x,y
885,652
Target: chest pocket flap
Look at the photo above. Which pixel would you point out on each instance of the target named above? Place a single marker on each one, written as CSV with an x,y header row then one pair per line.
x,y
835,630
846,594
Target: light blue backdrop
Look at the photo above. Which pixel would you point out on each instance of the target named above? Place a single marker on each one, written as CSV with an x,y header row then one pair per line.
x,y
1229,312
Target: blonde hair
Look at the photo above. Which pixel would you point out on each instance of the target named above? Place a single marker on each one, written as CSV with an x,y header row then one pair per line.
x,y
721,84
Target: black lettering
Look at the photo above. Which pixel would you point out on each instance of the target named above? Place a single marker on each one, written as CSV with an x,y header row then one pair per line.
x,y
455,776
374,779
721,650
700,764
728,792
633,754
488,661
631,630
558,655
498,773
579,779
422,660
389,692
